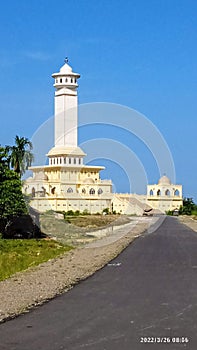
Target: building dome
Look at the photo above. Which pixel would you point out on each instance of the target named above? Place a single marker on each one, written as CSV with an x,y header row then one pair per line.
x,y
164,180
88,181
66,69
41,176
66,151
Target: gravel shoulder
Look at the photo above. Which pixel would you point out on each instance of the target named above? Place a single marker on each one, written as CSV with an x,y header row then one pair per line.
x,y
189,221
37,285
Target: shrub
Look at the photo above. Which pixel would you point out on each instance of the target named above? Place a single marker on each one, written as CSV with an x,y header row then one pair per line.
x,y
85,212
106,211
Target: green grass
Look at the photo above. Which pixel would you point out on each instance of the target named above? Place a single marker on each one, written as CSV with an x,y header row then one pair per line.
x,y
17,254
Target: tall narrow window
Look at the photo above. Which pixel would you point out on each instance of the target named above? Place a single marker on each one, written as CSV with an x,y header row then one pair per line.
x,y
53,190
69,161
33,192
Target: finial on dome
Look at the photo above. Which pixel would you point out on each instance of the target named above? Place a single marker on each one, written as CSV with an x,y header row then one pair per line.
x,y
66,60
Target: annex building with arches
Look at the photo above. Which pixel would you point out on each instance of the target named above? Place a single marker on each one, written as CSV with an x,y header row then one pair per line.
x,y
164,196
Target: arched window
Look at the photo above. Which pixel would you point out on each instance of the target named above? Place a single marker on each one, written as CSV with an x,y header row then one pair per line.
x,y
69,190
53,190
60,80
158,193
100,191
151,192
74,160
79,160
66,80
64,160
71,80
43,191
33,192
83,190
92,191
75,80
167,193
176,193
69,160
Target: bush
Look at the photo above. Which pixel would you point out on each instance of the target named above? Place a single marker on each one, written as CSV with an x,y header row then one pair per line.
x,y
69,213
85,212
169,212
106,211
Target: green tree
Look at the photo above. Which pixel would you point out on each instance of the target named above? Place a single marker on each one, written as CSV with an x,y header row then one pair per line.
x,y
20,155
188,206
12,202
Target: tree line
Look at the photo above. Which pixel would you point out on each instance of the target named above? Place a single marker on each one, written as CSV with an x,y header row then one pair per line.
x,y
14,160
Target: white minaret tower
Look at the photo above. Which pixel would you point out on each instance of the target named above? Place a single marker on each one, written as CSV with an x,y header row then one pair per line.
x,y
66,117
66,105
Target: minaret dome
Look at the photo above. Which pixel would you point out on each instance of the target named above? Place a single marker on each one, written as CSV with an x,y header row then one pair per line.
x,y
66,78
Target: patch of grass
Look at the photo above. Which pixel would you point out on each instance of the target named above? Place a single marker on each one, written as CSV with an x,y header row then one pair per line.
x,y
19,254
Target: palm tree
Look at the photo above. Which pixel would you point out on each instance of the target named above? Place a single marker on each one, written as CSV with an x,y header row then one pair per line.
x,y
21,156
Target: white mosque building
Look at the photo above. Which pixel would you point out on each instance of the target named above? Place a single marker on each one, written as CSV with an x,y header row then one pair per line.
x,y
67,184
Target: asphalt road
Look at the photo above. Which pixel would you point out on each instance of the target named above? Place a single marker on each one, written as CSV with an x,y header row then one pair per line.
x,y
147,293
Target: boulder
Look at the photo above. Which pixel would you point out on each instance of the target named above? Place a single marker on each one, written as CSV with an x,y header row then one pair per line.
x,y
22,227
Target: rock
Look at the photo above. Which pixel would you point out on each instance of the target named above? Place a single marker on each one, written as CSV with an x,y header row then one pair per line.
x,y
22,227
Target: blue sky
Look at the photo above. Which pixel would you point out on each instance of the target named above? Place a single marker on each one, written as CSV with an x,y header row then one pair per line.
x,y
136,53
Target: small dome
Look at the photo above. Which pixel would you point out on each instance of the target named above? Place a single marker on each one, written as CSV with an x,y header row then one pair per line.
x,y
65,151
66,69
29,178
41,176
164,180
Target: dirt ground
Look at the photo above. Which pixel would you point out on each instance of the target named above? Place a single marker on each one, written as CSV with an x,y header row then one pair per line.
x,y
189,221
76,230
